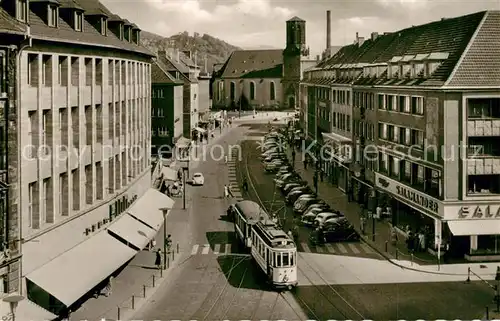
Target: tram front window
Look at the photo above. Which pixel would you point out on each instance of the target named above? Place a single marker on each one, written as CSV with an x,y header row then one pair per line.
x,y
286,259
277,259
292,259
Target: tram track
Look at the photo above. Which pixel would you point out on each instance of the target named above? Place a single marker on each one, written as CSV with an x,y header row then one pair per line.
x,y
347,310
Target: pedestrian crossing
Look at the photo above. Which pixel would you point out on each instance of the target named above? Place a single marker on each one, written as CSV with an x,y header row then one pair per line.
x,y
354,249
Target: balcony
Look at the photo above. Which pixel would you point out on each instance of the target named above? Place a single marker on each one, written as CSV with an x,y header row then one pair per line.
x,y
483,166
483,127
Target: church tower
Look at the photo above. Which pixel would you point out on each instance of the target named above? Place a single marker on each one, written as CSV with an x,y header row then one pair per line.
x,y
295,49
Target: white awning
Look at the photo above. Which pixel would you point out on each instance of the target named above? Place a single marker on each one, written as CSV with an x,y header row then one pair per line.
x,y
133,231
183,142
29,311
336,138
201,130
75,272
148,208
474,227
169,174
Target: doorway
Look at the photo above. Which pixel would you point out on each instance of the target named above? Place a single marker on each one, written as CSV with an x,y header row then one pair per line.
x,y
291,102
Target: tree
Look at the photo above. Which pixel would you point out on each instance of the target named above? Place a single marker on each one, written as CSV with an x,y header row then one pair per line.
x,y
245,104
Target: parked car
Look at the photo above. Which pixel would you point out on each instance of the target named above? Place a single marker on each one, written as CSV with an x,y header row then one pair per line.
x,y
301,208
293,196
315,211
302,198
308,219
339,231
289,186
273,166
322,217
319,205
198,179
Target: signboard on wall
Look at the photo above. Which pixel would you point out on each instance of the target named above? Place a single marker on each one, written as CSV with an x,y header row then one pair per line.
x,y
473,211
416,199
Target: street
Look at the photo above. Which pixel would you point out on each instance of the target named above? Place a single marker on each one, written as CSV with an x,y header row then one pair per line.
x,y
215,281
323,299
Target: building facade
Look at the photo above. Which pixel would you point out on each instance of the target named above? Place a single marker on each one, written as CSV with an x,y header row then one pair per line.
x,y
80,152
167,110
410,112
205,102
263,79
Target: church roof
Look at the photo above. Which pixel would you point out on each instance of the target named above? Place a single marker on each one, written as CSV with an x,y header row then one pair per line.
x,y
296,19
254,64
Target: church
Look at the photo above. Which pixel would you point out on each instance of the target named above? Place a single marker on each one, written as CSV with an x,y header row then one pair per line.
x,y
264,79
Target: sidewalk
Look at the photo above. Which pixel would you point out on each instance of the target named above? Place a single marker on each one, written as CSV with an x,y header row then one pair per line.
x,y
382,243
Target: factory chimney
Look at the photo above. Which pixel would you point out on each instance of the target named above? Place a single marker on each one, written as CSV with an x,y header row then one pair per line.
x,y
328,32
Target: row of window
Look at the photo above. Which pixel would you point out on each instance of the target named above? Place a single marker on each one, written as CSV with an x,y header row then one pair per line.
x,y
157,94
119,71
121,172
364,129
160,132
342,97
41,131
158,112
274,259
403,104
401,135
483,108
418,176
252,91
364,100
341,121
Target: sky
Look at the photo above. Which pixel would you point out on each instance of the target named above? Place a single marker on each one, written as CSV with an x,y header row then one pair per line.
x,y
261,23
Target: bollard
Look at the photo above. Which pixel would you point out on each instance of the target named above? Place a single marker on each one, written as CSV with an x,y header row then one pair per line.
x,y
468,275
154,280
168,262
386,246
177,247
161,273
144,291
118,316
487,313
173,256
397,254
133,302
411,259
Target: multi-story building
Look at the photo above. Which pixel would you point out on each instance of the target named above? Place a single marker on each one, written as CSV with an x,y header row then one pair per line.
x,y
177,65
418,110
166,109
264,79
79,127
205,102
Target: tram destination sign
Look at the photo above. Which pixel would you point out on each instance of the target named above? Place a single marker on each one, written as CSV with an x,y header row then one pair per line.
x,y
412,197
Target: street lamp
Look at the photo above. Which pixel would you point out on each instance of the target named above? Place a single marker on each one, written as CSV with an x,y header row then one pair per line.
x,y
13,299
165,214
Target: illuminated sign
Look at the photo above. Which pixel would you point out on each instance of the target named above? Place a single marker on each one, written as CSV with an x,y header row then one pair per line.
x,y
115,209
477,212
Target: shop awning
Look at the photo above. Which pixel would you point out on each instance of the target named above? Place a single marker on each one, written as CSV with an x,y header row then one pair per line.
x,y
183,142
27,310
169,174
199,129
474,227
133,231
148,208
335,138
72,274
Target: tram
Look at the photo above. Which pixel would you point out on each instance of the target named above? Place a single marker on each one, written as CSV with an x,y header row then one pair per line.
x,y
275,253
246,214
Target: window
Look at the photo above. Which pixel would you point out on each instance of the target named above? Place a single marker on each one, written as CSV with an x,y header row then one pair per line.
x,y
232,91
75,71
406,171
89,181
32,76
390,103
63,194
381,102
390,132
348,123
22,10
32,133
99,180
483,184
34,217
88,125
98,71
62,71
47,70
78,21
382,131
417,138
272,91
402,135
45,128
252,90
99,124
383,163
75,126
417,105
104,26
286,259
47,201
75,176
88,71
52,16
395,167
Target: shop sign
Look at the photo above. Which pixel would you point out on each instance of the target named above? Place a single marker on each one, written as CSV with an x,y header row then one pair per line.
x,y
477,212
414,197
115,209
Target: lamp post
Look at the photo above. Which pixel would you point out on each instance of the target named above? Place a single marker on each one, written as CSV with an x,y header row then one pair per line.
x,y
13,299
165,214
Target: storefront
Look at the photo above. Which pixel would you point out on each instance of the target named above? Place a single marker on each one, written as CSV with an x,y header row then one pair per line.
x,y
337,148
411,209
182,147
474,230
64,264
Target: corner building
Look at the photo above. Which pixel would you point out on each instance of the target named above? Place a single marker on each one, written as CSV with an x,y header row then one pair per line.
x,y
427,98
84,132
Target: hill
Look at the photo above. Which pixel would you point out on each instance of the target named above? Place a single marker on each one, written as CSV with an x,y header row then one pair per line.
x,y
215,50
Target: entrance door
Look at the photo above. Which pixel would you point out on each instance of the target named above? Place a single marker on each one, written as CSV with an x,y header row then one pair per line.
x,y
291,102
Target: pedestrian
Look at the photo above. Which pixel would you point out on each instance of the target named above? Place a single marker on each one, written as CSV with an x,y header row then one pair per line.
x,y
168,243
226,191
158,259
321,176
290,234
245,184
394,236
225,159
421,241
362,224
108,289
305,163
446,254
229,191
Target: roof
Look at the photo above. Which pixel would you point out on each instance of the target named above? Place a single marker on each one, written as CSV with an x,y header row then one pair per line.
x,y
184,59
295,18
90,36
10,25
480,65
160,74
170,66
450,36
254,64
